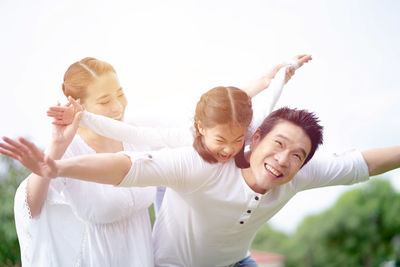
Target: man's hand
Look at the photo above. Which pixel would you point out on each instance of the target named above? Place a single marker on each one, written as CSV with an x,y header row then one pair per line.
x,y
30,156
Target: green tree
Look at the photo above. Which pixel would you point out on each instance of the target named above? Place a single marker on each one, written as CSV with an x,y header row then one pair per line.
x,y
11,174
360,230
271,240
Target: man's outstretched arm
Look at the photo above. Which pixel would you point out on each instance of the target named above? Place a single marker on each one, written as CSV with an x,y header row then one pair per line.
x,y
106,168
381,160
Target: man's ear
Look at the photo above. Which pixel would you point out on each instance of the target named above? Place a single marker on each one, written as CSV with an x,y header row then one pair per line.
x,y
200,127
255,139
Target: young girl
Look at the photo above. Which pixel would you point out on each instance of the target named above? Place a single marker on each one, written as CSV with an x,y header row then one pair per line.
x,y
109,228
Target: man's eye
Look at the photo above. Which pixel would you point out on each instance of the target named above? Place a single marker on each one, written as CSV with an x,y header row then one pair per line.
x,y
297,156
104,103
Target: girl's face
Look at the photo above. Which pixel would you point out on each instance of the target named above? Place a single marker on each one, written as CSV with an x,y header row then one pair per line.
x,y
223,141
105,97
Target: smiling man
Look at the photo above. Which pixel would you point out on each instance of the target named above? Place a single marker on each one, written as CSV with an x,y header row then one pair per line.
x,y
211,212
284,143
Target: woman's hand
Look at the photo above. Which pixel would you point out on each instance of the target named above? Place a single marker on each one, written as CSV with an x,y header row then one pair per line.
x,y
30,156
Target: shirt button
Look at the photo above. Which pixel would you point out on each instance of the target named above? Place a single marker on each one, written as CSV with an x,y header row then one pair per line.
x,y
248,211
241,222
256,198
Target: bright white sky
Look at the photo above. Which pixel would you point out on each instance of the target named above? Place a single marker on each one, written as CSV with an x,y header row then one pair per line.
x,y
167,53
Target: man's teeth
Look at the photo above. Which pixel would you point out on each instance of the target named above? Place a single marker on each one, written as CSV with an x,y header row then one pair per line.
x,y
274,172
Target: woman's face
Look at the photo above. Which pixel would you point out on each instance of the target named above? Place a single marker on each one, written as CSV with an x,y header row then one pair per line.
x,y
105,97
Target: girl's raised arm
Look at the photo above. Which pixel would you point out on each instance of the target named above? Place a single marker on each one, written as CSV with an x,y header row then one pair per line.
x,y
154,138
264,101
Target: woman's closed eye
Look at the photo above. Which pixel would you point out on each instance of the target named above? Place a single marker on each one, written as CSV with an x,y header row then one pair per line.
x,y
278,143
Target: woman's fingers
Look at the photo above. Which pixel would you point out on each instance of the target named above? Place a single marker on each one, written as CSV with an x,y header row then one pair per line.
x,y
76,104
60,122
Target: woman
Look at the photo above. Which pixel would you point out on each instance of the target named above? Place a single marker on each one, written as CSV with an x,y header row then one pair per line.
x,y
111,227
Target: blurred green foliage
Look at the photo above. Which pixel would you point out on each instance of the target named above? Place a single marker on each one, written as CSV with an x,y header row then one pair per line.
x,y
11,174
361,229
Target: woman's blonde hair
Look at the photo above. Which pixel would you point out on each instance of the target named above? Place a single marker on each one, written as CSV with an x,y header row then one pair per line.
x,y
80,74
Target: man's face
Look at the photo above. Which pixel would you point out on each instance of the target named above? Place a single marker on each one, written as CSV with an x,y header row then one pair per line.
x,y
276,158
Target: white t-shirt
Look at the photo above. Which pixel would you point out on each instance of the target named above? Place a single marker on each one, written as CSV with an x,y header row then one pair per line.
x,y
210,215
86,224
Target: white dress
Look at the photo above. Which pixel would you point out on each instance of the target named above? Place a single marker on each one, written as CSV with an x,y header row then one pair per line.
x,y
86,224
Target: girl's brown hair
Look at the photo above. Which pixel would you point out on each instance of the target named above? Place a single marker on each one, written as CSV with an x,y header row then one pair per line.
x,y
220,105
80,74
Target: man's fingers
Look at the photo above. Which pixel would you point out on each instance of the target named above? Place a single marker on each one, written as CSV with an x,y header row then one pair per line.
x,y
15,144
9,154
11,149
32,148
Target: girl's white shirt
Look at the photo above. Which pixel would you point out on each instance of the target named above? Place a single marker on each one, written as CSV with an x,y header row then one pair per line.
x,y
86,224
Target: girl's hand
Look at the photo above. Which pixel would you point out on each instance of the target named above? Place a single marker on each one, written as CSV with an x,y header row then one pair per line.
x,y
64,133
30,156
66,114
294,64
